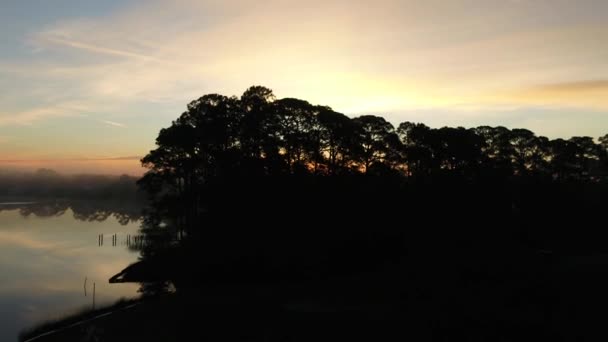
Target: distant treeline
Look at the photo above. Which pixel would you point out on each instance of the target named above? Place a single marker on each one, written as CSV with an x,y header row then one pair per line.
x,y
48,184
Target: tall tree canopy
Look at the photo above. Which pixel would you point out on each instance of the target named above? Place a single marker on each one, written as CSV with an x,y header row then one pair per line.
x,y
259,135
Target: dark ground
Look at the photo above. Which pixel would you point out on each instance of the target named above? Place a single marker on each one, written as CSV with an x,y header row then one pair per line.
x,y
558,299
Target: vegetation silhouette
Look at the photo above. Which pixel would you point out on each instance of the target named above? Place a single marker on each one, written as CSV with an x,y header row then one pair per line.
x,y
433,234
275,158
275,219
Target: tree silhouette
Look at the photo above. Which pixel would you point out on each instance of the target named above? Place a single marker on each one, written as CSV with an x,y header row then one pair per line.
x,y
295,121
338,140
458,231
604,141
377,140
224,151
416,151
257,134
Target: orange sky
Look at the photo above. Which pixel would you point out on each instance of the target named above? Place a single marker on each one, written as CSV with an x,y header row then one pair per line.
x,y
83,166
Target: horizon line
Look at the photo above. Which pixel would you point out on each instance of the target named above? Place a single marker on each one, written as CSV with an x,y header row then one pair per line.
x,y
70,159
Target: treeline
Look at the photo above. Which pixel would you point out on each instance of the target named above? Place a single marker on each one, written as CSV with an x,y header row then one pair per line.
x,y
277,161
48,184
442,234
258,134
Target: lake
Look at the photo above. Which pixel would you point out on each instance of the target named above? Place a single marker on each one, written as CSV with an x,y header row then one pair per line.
x,y
46,251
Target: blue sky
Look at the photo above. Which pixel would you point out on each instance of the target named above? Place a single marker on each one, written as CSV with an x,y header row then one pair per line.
x,y
97,79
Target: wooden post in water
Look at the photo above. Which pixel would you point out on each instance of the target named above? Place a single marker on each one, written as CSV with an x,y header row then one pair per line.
x,y
85,286
93,296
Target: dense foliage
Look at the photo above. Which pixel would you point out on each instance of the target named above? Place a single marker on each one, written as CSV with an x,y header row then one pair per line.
x,y
256,152
257,134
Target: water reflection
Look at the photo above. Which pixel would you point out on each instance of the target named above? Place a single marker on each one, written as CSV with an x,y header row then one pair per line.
x,y
123,212
46,251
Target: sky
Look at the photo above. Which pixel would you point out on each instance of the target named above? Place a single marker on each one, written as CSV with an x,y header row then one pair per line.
x,y
85,85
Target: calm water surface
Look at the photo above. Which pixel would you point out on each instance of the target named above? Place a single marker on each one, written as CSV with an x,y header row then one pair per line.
x,y
46,251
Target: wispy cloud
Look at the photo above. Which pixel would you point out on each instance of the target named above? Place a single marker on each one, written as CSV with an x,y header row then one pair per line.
x,y
576,86
122,158
428,65
589,94
113,123
399,55
28,117
50,106
93,165
95,48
